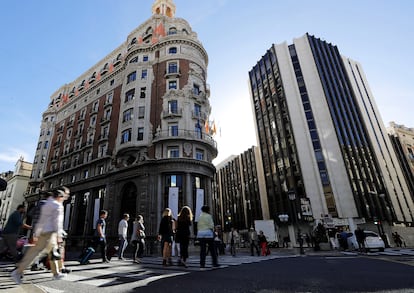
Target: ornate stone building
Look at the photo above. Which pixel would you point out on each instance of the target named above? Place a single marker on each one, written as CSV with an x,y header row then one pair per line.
x,y
129,134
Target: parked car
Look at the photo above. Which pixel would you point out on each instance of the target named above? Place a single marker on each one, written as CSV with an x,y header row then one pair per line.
x,y
372,241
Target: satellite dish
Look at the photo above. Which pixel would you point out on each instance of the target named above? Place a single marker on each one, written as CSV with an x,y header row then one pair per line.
x,y
3,184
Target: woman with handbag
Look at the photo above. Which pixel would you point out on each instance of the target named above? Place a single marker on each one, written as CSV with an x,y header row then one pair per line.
x,y
138,238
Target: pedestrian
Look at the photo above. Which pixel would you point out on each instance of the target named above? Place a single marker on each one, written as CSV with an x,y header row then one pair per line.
x,y
165,235
262,242
138,238
49,226
100,235
286,241
397,239
182,234
343,239
218,240
11,231
35,213
300,240
122,235
308,240
205,235
253,239
360,237
233,236
61,241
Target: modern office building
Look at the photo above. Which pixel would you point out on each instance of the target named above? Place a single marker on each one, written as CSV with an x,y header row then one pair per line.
x,y
402,138
325,150
237,190
129,135
14,194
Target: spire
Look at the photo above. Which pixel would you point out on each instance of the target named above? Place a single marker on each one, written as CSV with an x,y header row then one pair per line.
x,y
164,7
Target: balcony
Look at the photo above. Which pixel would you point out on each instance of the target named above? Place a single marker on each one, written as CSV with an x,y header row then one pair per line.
x,y
172,114
105,120
199,115
185,135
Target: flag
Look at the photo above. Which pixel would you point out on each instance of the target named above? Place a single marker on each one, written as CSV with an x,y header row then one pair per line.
x,y
206,126
213,128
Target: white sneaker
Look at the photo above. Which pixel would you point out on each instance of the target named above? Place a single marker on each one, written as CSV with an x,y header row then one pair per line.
x,y
59,276
16,276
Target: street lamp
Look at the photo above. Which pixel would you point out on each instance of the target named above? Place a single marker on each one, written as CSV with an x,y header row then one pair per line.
x,y
292,198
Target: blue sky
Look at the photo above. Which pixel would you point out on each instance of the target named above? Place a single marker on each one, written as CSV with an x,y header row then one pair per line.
x,y
45,44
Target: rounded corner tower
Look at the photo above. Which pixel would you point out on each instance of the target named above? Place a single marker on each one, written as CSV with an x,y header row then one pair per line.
x,y
132,134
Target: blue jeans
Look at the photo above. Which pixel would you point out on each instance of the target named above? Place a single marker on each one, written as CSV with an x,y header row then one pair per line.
x,y
203,251
122,246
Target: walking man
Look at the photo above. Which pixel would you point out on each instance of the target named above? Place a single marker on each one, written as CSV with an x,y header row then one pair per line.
x,y
100,234
122,234
48,228
253,241
12,229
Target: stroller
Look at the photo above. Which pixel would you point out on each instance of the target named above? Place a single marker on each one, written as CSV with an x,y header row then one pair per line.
x,y
20,243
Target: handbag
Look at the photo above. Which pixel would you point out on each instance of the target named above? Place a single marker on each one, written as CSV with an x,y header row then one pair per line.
x,y
55,255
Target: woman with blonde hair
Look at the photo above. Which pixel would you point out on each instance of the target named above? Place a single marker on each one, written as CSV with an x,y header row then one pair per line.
x,y
165,235
182,236
138,238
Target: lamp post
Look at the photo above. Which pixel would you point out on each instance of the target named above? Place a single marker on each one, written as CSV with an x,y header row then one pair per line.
x,y
249,215
292,198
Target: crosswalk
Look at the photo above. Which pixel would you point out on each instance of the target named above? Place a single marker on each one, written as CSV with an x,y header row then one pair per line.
x,y
119,273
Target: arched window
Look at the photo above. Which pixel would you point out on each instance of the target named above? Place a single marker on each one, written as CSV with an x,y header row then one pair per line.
x,y
172,31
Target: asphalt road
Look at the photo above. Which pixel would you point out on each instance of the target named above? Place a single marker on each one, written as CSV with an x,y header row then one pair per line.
x,y
279,272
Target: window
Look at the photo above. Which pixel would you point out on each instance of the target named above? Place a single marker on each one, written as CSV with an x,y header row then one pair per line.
x,y
46,144
172,85
196,89
144,74
39,145
105,132
172,67
88,156
197,130
199,154
173,107
140,133
102,150
108,114
129,95
172,50
143,92
197,110
111,83
173,152
85,174
127,115
80,128
109,98
172,31
131,77
126,136
134,60
95,106
141,112
101,169
73,179
173,129
145,58
93,120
